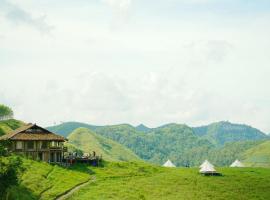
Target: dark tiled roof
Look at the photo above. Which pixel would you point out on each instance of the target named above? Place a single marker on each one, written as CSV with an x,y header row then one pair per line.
x,y
22,134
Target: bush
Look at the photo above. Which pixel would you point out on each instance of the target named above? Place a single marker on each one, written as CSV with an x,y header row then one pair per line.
x,y
9,168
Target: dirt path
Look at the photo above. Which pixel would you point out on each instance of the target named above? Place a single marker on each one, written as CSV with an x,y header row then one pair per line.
x,y
75,189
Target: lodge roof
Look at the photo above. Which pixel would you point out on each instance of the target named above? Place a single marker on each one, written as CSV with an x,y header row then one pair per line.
x,y
32,132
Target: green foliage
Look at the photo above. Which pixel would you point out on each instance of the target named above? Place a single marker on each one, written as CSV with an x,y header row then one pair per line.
x,y
9,168
141,181
5,112
88,141
222,132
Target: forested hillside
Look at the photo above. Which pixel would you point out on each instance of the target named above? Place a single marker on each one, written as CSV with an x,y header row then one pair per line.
x,y
172,141
221,132
180,143
88,141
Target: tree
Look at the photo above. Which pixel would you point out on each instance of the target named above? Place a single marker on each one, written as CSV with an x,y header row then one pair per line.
x,y
5,112
9,168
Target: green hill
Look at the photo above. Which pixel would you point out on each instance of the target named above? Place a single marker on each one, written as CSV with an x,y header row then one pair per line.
x,y
220,142
66,128
258,156
173,141
227,154
88,141
222,132
7,126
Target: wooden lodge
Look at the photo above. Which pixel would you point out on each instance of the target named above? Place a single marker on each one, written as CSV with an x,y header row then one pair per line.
x,y
37,143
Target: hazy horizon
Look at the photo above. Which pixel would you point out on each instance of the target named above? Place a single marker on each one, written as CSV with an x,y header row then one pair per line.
x,y
133,61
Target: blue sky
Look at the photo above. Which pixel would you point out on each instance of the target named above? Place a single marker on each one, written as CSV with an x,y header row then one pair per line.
x,y
134,61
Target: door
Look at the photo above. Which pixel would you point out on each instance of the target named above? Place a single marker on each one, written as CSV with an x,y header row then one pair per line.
x,y
51,157
40,156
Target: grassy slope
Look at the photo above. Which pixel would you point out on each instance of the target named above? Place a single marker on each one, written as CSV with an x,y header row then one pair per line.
x,y
258,156
227,154
89,141
43,181
7,126
141,181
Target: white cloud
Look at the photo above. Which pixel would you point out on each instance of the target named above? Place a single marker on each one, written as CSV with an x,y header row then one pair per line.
x,y
163,67
120,11
18,16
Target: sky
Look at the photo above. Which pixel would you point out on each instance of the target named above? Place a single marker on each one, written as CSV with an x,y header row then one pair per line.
x,y
136,61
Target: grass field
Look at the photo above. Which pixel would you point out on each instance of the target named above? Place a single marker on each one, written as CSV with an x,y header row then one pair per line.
x,y
140,181
43,181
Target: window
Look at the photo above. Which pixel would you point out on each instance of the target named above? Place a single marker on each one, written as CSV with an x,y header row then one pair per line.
x,y
55,144
30,145
19,145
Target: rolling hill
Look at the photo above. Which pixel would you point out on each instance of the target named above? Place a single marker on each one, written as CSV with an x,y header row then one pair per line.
x,y
172,141
225,155
220,142
66,128
88,141
258,156
220,133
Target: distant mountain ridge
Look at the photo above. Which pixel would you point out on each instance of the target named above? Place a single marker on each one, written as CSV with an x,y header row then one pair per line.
x,y
222,132
220,142
143,128
66,128
180,143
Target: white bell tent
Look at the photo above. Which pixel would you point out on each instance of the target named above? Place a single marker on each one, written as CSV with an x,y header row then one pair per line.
x,y
237,163
206,163
168,164
208,169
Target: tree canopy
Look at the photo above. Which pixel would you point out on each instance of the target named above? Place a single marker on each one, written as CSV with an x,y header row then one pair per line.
x,y
5,112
